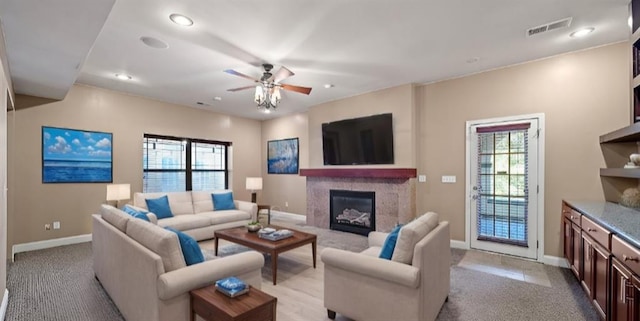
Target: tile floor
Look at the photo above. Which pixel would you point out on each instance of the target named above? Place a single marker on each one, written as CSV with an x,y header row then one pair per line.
x,y
506,266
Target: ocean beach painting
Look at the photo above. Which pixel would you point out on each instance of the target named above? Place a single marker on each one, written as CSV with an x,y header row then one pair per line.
x,y
76,156
282,156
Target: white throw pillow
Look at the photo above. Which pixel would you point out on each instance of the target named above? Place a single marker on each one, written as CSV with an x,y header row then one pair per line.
x,y
411,234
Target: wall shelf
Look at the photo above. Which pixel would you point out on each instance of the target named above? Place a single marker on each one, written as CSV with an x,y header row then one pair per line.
x,y
622,135
620,172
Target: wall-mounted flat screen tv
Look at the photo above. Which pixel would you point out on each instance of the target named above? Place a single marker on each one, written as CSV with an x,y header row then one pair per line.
x,y
358,141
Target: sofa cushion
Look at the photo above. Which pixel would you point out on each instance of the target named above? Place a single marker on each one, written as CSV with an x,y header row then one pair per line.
x,y
202,200
190,248
223,201
185,222
411,234
220,217
158,240
373,251
135,213
115,217
390,243
159,206
180,202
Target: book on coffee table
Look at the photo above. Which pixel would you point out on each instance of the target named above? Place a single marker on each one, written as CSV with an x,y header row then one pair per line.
x,y
232,286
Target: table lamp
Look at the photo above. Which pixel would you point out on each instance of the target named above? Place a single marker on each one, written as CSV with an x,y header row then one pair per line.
x,y
118,192
254,184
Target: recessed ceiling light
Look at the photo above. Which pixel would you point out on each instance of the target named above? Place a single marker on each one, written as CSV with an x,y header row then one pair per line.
x,y
582,32
123,77
154,42
181,19
217,98
328,86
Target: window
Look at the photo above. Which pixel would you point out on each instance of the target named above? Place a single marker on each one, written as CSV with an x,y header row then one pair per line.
x,y
172,164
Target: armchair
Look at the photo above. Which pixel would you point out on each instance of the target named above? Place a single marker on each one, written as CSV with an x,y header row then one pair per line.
x,y
412,286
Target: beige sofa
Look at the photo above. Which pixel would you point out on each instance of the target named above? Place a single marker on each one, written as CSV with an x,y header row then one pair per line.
x,y
142,268
412,286
193,212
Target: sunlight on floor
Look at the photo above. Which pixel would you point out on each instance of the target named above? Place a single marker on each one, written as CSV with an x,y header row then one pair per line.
x,y
505,266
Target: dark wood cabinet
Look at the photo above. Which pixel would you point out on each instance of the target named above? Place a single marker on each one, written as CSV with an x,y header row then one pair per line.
x,y
625,293
587,250
572,239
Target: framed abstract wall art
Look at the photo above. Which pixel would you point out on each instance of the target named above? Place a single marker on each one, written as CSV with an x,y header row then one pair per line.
x,y
283,156
76,156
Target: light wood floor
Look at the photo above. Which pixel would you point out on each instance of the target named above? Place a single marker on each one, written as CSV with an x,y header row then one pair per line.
x,y
300,287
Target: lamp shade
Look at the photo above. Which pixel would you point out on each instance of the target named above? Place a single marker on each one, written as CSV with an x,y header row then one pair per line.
x,y
117,192
254,183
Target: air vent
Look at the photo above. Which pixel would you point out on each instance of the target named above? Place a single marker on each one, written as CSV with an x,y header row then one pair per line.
x,y
549,26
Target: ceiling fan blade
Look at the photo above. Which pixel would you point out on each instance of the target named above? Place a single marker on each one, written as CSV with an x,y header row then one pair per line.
x,y
235,73
241,88
300,89
283,73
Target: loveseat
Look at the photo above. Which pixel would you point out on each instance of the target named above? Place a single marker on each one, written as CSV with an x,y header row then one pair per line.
x,y
142,268
194,212
411,286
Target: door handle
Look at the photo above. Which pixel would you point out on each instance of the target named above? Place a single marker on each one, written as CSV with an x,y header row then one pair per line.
x,y
475,197
623,288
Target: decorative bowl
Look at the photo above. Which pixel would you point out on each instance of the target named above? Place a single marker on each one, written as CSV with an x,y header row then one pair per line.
x,y
254,227
635,158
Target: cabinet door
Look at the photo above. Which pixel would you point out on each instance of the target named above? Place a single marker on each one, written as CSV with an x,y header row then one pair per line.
x,y
576,264
623,293
587,265
600,268
568,240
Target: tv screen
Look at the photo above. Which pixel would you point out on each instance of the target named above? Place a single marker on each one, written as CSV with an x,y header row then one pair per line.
x,y
358,141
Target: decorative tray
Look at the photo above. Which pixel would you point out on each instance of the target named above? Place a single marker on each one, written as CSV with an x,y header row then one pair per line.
x,y
274,235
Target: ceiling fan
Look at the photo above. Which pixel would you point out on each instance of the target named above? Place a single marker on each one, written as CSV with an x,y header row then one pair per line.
x,y
268,86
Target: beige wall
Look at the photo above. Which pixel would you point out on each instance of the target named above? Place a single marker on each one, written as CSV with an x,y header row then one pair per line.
x,y
583,95
397,100
280,190
6,93
128,118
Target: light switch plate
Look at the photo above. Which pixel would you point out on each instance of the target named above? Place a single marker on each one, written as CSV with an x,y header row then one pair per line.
x,y
448,179
422,178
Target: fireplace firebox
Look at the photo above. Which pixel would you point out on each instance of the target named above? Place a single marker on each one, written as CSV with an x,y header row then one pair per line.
x,y
352,211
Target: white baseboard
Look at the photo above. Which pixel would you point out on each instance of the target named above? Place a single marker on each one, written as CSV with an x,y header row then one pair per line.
x,y
5,303
459,245
289,216
555,261
39,245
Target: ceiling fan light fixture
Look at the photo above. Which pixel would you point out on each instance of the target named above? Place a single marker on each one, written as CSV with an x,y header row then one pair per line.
x,y
181,19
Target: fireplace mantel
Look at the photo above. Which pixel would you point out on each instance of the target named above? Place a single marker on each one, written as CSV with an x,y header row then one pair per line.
x,y
360,172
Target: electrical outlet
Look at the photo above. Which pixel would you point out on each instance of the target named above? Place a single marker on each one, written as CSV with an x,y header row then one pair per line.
x,y
448,179
286,204
56,225
47,227
422,178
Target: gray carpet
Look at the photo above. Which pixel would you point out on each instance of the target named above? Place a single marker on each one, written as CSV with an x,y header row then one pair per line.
x,y
58,284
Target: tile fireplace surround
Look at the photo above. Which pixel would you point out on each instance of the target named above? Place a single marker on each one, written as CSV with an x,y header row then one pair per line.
x,y
395,190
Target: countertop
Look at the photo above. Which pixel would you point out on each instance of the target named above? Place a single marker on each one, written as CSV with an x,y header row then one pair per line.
x,y
621,221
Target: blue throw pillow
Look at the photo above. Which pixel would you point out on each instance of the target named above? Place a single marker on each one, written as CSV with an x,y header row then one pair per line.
x,y
135,213
159,207
190,248
223,201
390,243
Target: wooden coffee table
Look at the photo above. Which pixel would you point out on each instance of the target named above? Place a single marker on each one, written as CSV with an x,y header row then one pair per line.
x,y
212,305
241,236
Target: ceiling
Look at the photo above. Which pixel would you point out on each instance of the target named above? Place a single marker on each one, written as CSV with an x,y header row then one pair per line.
x,y
358,46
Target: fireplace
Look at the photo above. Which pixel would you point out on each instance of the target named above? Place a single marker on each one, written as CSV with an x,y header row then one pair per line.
x,y
352,211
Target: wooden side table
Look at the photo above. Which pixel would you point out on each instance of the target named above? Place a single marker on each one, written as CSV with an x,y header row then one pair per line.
x,y
212,305
268,208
